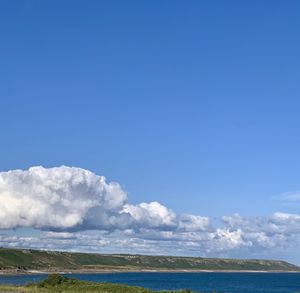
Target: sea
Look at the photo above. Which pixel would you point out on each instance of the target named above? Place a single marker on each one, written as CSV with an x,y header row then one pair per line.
x,y
206,282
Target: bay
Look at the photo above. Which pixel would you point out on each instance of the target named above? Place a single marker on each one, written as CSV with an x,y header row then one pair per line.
x,y
205,282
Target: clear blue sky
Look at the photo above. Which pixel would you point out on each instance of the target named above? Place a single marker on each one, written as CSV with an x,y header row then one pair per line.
x,y
194,104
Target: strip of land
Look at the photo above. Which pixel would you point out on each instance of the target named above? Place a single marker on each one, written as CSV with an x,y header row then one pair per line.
x,y
17,261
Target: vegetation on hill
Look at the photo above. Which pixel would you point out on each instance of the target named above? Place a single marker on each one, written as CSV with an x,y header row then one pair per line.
x,y
56,283
27,259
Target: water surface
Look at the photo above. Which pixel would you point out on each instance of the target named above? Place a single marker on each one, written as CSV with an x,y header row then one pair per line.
x,y
199,282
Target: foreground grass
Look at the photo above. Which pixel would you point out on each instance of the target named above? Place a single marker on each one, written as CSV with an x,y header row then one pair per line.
x,y
59,284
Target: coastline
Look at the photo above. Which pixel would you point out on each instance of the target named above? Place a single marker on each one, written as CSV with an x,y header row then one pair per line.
x,y
118,270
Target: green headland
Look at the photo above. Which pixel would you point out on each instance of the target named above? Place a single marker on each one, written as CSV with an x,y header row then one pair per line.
x,y
28,261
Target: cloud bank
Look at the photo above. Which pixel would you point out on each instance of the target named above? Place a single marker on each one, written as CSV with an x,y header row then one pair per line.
x,y
75,209
68,198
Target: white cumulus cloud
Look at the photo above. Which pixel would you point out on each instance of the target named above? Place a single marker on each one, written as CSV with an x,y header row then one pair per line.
x,y
68,198
55,198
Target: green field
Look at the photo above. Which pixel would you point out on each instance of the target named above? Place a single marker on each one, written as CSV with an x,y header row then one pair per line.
x,y
24,260
57,283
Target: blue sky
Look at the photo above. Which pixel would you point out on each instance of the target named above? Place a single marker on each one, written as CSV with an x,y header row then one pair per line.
x,y
194,104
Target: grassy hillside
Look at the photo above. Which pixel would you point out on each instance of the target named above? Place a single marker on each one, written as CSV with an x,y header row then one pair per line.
x,y
56,283
24,259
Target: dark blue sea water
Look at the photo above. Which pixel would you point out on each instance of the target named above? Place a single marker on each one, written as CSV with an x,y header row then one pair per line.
x,y
200,282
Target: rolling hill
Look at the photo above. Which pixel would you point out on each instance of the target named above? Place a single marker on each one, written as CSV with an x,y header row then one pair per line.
x,y
53,261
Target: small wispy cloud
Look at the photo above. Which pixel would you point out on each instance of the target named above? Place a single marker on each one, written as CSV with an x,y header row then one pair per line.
x,y
291,196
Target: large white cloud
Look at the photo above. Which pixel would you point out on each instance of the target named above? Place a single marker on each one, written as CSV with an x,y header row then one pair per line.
x,y
68,198
59,198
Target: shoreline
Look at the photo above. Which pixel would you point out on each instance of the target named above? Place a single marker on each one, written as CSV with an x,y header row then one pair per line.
x,y
117,271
